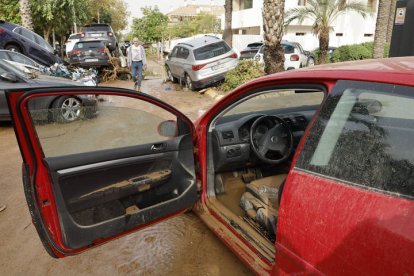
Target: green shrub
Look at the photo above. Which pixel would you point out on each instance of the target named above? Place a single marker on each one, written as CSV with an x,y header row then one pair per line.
x,y
246,70
353,52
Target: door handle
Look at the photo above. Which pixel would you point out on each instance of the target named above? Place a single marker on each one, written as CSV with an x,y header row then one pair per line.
x,y
158,147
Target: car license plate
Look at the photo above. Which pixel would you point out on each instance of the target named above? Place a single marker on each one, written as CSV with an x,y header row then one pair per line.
x,y
217,67
91,60
96,35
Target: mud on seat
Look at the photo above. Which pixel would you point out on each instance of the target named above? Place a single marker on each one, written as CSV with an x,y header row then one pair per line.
x,y
260,202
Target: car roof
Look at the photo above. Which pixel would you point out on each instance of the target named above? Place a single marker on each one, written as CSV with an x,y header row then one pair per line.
x,y
398,71
200,41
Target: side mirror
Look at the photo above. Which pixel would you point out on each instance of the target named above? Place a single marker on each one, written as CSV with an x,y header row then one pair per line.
x,y
307,53
55,52
8,77
168,128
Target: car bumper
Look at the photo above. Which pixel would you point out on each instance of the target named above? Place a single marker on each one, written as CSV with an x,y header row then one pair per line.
x,y
90,64
209,80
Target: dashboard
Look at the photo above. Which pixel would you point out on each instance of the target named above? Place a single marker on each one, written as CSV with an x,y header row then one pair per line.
x,y
231,137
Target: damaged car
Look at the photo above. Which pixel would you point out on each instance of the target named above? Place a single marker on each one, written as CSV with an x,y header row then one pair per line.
x,y
304,172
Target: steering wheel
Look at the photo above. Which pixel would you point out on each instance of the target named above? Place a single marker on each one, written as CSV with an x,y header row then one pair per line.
x,y
271,139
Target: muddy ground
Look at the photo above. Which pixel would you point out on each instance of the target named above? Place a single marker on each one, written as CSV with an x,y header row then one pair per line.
x,y
179,246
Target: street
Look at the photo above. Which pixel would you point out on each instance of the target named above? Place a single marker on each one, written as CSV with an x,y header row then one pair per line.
x,y
179,246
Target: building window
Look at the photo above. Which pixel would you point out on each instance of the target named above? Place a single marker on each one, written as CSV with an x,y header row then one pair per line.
x,y
301,2
300,34
339,34
368,35
246,4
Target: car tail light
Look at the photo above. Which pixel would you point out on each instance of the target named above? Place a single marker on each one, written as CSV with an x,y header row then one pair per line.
x,y
82,34
101,50
110,34
75,52
294,58
234,55
198,67
2,30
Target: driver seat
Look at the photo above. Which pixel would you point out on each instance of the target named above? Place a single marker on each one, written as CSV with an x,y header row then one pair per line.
x,y
261,199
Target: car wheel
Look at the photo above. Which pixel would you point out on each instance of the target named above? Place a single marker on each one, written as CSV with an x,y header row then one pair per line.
x,y
67,109
169,75
189,82
13,48
311,62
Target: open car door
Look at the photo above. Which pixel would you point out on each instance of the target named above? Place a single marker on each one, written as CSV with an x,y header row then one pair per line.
x,y
97,167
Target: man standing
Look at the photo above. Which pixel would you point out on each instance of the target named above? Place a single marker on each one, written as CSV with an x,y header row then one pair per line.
x,y
136,62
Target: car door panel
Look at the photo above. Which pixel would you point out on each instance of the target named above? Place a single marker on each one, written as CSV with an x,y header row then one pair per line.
x,y
86,198
88,195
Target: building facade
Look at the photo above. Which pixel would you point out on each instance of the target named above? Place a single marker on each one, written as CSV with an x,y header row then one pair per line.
x,y
350,28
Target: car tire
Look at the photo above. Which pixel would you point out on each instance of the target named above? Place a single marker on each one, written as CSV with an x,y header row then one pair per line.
x,y
67,109
311,62
188,82
13,48
170,77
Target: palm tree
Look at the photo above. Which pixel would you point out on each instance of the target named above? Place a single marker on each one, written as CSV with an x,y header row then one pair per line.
x,y
227,34
26,14
274,56
391,20
323,13
381,27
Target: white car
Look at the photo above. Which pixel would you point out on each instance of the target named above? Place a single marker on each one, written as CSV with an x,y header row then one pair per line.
x,y
73,38
295,56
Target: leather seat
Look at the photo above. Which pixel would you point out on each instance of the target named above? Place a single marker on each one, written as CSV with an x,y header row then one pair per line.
x,y
260,202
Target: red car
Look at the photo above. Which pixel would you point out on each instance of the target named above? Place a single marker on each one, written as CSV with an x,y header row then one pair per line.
x,y
302,172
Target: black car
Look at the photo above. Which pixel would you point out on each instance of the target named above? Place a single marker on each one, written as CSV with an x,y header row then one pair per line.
x,y
89,54
102,32
16,38
62,109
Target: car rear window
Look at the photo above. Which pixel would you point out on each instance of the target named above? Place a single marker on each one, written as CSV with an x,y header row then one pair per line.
x,y
248,54
211,51
364,136
289,49
88,45
97,28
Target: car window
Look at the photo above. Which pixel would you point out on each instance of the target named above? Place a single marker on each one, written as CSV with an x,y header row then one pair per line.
x,y
364,136
21,59
27,34
289,49
211,50
4,55
43,43
275,100
174,52
97,28
88,45
115,122
182,52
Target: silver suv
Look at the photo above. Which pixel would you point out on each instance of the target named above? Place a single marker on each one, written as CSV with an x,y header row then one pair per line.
x,y
200,62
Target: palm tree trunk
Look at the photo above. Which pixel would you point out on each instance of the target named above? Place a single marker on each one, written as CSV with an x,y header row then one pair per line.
x,y
323,45
391,20
26,14
228,34
274,56
381,28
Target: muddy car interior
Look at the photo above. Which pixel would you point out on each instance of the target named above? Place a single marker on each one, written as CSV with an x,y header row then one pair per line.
x,y
251,144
